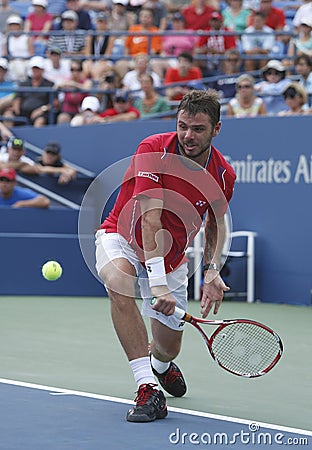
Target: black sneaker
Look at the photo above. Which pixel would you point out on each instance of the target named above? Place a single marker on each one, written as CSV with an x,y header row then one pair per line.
x,y
172,380
150,405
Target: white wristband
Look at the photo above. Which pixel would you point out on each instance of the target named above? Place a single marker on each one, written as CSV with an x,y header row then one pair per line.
x,y
156,271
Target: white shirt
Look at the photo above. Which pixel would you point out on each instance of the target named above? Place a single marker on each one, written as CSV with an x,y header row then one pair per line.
x,y
261,41
131,82
57,75
4,157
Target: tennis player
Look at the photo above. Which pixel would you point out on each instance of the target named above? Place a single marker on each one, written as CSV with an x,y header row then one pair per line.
x,y
174,182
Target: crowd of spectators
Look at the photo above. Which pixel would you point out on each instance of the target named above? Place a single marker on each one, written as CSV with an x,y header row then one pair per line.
x,y
78,62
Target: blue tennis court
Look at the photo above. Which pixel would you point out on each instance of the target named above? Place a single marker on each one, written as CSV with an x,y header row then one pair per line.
x,y
41,417
65,383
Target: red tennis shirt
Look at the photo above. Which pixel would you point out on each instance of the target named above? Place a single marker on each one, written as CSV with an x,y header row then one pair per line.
x,y
188,191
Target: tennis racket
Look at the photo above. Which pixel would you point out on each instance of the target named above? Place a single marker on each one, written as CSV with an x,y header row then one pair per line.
x,y
243,347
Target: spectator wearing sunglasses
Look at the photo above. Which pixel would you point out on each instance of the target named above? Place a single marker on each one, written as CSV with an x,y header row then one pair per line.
x,y
16,196
272,86
246,103
296,100
122,110
76,87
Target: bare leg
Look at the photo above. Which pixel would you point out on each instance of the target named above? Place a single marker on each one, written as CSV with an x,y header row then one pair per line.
x,y
119,277
166,343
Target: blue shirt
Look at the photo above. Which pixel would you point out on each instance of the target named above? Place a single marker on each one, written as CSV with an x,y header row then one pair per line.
x,y
19,193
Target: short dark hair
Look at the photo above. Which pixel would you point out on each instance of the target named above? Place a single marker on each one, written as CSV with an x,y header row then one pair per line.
x,y
305,58
186,55
203,101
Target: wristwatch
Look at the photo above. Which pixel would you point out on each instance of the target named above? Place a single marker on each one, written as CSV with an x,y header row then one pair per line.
x,y
212,266
44,108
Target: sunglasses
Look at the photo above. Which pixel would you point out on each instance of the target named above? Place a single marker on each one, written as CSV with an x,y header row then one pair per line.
x,y
6,180
120,100
290,93
244,86
75,69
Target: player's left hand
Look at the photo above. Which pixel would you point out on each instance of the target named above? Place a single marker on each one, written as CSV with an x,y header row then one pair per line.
x,y
213,292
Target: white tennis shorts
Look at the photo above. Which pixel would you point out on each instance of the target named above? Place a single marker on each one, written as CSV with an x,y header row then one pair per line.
x,y
110,246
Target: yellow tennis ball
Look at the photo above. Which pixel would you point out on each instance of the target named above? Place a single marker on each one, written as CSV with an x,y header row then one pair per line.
x,y
52,270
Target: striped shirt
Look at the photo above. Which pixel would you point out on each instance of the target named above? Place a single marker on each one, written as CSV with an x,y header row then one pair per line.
x,y
69,42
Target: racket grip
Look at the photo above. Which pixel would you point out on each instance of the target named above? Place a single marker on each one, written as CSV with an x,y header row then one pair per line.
x,y
178,312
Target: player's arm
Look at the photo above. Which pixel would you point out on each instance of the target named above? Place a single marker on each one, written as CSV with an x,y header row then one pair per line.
x,y
214,286
153,245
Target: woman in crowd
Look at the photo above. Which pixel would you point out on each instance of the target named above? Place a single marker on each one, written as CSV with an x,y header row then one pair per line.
x,y
246,103
296,100
152,102
77,87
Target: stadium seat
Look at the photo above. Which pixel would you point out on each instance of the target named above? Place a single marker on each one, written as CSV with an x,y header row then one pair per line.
x,y
247,252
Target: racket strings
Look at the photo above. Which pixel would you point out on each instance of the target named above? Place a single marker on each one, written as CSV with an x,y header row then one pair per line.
x,y
245,348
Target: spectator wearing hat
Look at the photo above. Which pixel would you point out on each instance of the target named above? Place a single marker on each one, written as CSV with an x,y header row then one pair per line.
x,y
39,19
296,101
76,87
174,44
197,15
89,109
272,86
35,106
18,47
17,196
184,72
84,19
51,163
73,41
246,103
303,12
257,44
214,46
122,110
56,68
98,45
121,19
301,44
273,17
15,158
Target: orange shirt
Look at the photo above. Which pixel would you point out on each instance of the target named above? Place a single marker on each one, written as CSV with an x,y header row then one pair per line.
x,y
139,44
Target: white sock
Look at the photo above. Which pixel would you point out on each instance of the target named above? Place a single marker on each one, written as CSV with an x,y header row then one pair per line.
x,y
159,366
142,371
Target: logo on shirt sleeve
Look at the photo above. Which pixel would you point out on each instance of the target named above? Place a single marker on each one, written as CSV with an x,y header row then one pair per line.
x,y
149,175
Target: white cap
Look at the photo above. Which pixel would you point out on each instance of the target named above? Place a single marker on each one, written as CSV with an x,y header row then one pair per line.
x,y
306,21
4,63
43,3
70,15
14,19
274,64
37,61
91,103
121,2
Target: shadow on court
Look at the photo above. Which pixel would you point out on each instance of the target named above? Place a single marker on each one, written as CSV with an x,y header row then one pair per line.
x,y
44,418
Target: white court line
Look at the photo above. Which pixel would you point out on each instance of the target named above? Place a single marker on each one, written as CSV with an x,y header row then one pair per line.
x,y
60,391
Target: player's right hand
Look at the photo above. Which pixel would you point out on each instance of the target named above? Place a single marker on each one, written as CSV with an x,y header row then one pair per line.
x,y
165,302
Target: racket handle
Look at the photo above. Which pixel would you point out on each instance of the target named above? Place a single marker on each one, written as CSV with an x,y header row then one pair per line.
x,y
178,312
